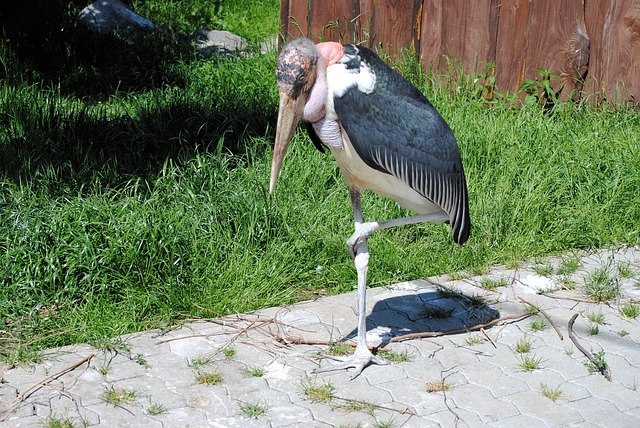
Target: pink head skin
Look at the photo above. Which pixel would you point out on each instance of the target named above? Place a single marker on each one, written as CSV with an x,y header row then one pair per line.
x,y
302,83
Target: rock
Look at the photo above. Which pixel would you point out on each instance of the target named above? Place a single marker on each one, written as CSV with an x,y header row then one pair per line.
x,y
215,42
113,17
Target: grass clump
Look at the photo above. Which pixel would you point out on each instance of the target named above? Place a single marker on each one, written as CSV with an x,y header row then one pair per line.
x,y
437,385
322,393
529,362
396,357
630,310
523,345
253,372
208,378
437,312
601,285
537,324
551,393
118,397
492,283
253,410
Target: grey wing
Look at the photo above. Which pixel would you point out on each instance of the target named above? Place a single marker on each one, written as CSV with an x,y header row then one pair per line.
x,y
406,137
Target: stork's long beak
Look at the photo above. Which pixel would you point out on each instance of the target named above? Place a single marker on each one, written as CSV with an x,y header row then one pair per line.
x,y
289,114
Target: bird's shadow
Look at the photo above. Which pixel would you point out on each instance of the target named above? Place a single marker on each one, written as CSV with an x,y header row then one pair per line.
x,y
439,312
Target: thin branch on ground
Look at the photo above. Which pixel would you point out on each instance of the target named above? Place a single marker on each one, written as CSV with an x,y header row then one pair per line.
x,y
36,386
602,368
544,314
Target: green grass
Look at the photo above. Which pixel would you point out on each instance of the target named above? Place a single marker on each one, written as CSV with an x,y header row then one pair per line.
x,y
133,188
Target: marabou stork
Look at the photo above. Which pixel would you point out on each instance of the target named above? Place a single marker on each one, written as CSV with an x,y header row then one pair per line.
x,y
385,135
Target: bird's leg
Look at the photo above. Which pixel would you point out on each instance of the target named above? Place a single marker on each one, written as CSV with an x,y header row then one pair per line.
x,y
362,356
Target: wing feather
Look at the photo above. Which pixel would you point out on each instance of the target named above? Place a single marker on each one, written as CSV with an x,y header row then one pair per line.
x,y
396,130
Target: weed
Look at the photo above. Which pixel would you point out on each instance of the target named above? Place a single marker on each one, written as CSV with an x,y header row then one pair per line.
x,y
543,270
568,266
339,349
384,424
59,422
156,409
537,324
567,284
436,312
532,310
529,362
229,352
253,372
474,339
624,270
359,406
551,393
118,397
601,285
630,310
253,410
437,385
623,333
594,329
396,357
208,378
595,317
492,283
198,362
523,345
317,393
599,365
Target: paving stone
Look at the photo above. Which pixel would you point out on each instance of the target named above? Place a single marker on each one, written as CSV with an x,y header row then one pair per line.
x,y
488,386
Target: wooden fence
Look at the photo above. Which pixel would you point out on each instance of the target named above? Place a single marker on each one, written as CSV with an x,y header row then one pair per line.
x,y
593,45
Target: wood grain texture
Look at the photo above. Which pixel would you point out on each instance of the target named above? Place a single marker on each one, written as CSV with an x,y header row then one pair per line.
x,y
592,41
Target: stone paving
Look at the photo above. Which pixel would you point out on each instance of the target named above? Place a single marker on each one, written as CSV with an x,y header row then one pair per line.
x,y
256,370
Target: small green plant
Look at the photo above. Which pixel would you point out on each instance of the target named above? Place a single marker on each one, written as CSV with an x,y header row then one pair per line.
x,y
358,406
58,422
396,357
139,358
529,362
543,270
537,324
601,285
253,410
156,409
539,90
568,266
384,424
118,397
436,312
198,362
474,339
253,372
567,283
438,385
595,317
594,329
551,393
600,364
630,310
623,333
208,378
317,393
624,270
532,310
492,283
523,345
229,352
339,349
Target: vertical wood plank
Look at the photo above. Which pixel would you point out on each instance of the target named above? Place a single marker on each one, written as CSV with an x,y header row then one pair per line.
x,y
511,44
614,68
394,24
464,31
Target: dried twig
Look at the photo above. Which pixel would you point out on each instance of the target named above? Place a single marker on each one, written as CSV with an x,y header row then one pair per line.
x,y
36,386
483,331
602,368
544,314
457,330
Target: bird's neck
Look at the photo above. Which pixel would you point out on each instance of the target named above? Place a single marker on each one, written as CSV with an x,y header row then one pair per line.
x,y
314,109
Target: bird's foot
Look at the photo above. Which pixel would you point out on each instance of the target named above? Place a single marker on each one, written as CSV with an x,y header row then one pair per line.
x,y
359,360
